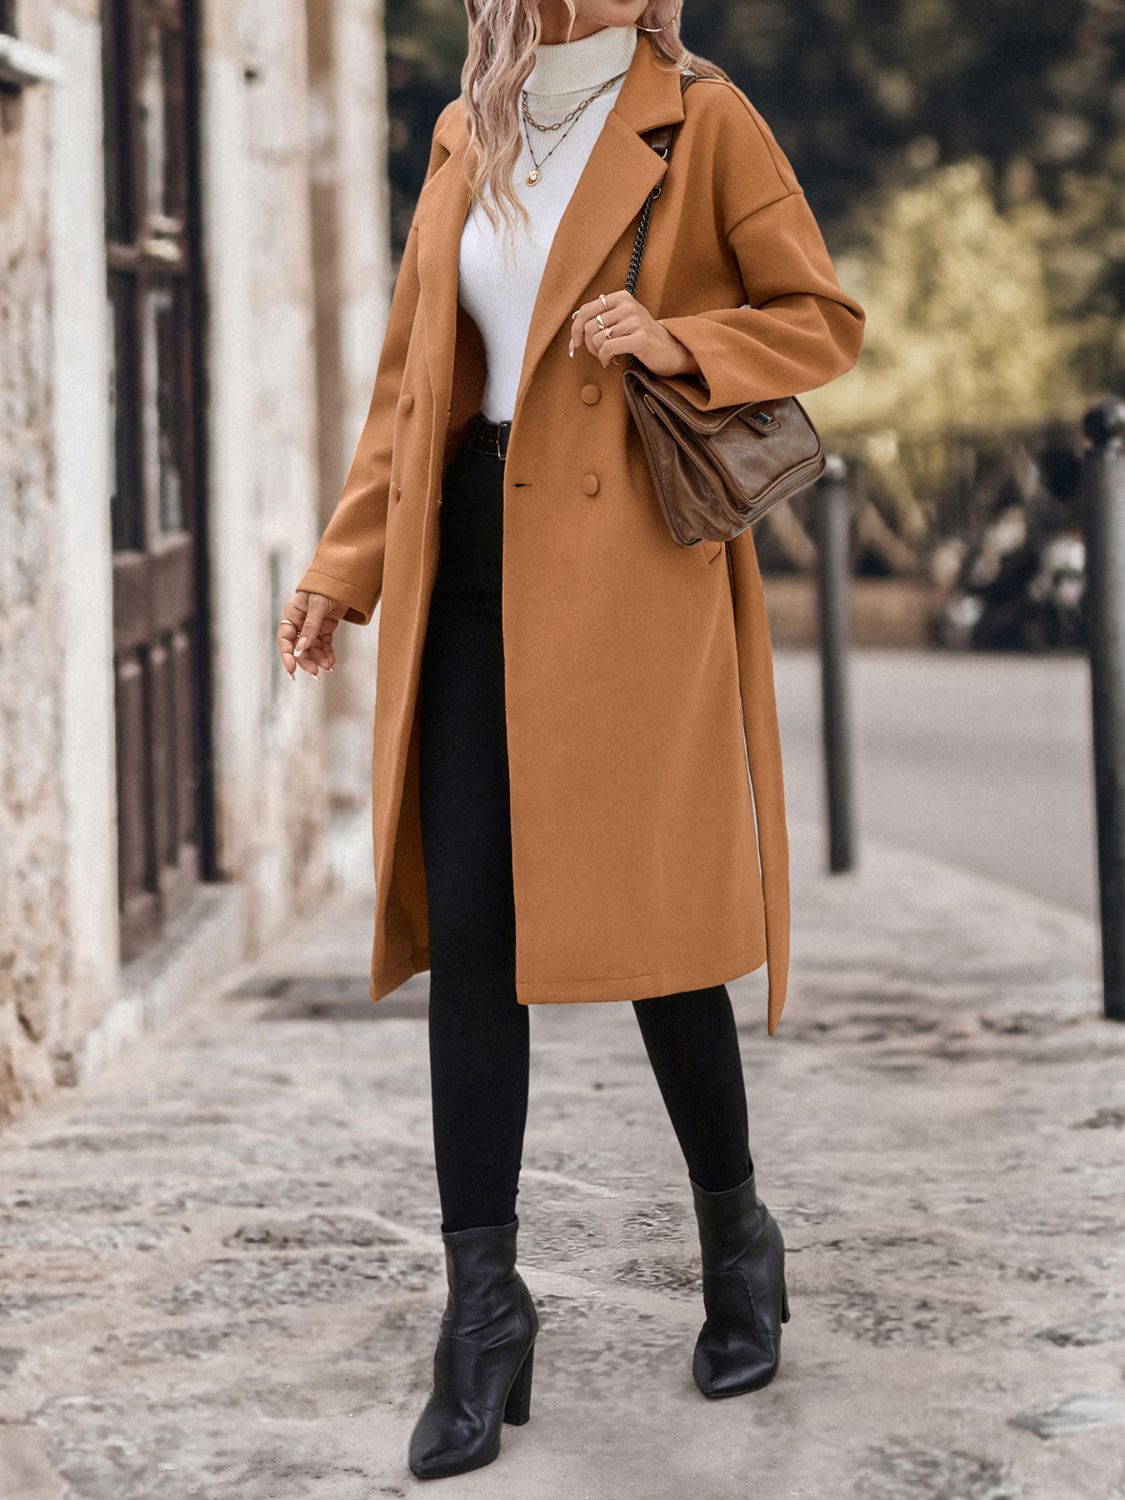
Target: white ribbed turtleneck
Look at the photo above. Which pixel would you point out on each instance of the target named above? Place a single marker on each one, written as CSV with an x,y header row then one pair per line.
x,y
496,293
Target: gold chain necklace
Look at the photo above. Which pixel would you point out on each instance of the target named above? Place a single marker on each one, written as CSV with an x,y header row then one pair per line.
x,y
572,115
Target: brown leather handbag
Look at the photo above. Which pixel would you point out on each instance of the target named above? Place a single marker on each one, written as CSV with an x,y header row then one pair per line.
x,y
715,472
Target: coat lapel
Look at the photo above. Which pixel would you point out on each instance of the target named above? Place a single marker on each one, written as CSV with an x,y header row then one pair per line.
x,y
610,192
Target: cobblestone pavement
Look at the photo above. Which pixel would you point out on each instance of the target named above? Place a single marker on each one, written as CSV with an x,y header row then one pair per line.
x,y
222,1273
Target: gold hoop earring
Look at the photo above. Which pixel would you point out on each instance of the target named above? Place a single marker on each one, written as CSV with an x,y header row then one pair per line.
x,y
667,23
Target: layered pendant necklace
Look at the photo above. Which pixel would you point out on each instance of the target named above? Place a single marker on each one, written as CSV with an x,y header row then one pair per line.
x,y
572,116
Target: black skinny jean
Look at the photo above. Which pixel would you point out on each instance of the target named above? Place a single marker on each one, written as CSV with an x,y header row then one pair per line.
x,y
478,1030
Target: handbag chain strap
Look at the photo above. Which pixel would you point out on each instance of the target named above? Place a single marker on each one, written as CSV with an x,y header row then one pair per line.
x,y
661,142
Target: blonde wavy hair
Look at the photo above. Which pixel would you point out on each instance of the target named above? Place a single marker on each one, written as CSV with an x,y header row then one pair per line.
x,y
503,36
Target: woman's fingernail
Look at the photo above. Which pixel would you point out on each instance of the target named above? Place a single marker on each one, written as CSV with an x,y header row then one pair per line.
x,y
570,351
300,646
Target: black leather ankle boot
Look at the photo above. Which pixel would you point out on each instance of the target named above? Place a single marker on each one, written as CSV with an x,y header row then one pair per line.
x,y
483,1359
743,1253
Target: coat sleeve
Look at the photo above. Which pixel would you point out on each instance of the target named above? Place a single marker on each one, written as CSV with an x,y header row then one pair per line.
x,y
348,561
800,329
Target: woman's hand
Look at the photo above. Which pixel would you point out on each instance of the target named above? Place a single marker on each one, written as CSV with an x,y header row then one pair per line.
x,y
304,637
618,324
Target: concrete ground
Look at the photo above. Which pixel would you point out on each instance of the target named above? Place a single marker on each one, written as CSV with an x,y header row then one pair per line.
x,y
222,1273
981,758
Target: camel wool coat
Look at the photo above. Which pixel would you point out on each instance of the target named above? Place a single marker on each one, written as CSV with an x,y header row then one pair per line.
x,y
649,845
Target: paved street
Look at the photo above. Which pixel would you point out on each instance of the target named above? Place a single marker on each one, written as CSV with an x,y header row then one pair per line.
x,y
983,760
221,1270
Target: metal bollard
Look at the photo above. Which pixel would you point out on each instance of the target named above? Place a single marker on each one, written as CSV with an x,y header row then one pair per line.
x,y
832,508
1104,507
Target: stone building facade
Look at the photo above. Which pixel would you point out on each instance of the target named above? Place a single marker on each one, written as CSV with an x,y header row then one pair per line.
x,y
194,272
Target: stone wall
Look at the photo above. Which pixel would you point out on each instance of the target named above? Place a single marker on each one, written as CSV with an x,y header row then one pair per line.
x,y
351,252
263,462
35,941
291,124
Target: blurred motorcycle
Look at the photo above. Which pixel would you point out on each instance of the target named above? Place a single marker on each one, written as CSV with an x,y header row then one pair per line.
x,y
1019,585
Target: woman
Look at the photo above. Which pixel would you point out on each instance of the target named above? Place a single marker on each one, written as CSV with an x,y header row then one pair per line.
x,y
568,702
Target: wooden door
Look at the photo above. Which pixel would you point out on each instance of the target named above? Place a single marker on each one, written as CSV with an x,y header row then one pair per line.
x,y
160,638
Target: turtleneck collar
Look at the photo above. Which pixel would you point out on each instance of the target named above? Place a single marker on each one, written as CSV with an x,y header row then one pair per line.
x,y
578,67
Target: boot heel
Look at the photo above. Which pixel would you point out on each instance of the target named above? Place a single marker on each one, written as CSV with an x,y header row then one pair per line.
x,y
784,1303
517,1408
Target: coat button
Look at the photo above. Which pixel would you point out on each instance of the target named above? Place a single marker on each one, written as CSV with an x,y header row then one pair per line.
x,y
591,393
406,401
590,484
396,491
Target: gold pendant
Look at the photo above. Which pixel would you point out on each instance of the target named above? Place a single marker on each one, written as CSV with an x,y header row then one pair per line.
x,y
533,176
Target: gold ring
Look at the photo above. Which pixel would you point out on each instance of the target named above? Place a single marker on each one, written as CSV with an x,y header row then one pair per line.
x,y
285,620
598,320
604,303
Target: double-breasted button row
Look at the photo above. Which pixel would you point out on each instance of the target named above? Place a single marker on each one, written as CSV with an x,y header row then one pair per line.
x,y
591,394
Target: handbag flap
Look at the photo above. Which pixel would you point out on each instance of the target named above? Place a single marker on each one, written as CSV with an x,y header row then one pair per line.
x,y
706,423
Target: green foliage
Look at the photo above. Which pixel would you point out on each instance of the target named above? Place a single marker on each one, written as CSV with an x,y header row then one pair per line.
x,y
961,331
426,45
856,88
